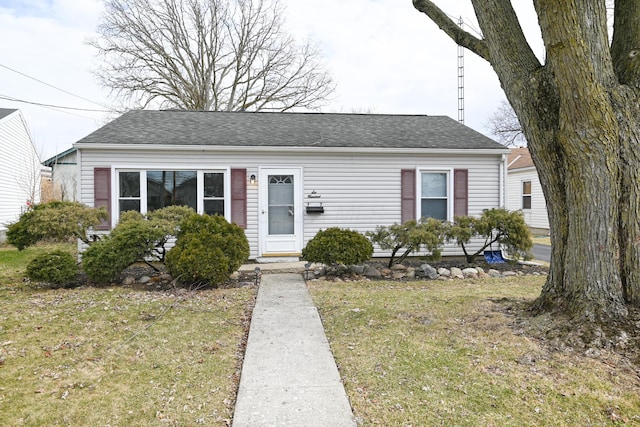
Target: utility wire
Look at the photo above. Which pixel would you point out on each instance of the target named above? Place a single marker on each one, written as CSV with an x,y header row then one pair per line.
x,y
54,87
10,98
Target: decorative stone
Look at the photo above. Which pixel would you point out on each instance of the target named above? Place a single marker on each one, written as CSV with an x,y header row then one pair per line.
x,y
411,273
494,273
234,276
398,274
509,274
456,272
144,279
371,272
444,272
425,270
398,267
468,271
357,269
480,270
483,275
129,280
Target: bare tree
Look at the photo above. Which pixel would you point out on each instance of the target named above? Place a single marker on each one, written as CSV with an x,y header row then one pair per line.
x,y
505,126
580,114
223,55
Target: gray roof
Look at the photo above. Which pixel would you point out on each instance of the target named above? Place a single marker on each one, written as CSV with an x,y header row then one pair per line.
x,y
259,129
4,112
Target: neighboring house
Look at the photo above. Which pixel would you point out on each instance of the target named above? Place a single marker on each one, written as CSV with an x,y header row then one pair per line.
x,y
524,191
64,175
19,168
285,176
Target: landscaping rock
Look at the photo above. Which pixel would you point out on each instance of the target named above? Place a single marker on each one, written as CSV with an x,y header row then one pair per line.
x,y
371,272
444,272
457,273
425,270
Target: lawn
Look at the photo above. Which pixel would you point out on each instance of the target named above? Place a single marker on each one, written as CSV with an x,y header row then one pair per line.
x,y
116,355
455,354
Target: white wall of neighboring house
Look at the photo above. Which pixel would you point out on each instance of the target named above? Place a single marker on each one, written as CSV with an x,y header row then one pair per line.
x,y
536,215
19,168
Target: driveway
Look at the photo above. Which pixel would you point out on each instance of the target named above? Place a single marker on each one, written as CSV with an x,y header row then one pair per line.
x,y
541,252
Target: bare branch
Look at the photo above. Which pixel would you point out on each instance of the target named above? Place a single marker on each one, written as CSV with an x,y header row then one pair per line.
x,y
207,55
452,29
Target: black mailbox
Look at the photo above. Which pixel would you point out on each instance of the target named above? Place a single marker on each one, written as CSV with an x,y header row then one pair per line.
x,y
315,209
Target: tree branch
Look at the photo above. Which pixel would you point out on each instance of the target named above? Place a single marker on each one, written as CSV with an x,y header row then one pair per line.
x,y
452,29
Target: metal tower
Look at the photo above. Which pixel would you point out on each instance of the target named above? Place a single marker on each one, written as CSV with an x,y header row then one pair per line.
x,y
460,78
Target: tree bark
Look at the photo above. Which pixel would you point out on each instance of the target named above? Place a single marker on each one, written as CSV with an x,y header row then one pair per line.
x,y
580,115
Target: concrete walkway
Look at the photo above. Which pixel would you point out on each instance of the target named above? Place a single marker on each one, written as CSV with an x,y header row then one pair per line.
x,y
289,376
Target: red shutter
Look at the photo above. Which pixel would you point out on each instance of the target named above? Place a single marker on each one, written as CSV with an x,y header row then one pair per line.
x,y
408,194
102,194
239,197
460,192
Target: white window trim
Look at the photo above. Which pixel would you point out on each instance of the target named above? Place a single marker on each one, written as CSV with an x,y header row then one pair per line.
x,y
200,170
449,172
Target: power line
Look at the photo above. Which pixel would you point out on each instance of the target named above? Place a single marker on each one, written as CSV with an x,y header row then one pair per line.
x,y
10,98
52,86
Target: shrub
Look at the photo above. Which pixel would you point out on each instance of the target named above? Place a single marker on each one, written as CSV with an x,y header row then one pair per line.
x,y
208,249
495,226
197,259
128,242
54,221
338,246
410,237
57,267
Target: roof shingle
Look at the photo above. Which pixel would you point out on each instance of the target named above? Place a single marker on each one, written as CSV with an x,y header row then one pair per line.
x,y
260,129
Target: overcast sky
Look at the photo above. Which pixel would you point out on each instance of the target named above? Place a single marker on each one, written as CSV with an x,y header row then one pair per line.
x,y
385,57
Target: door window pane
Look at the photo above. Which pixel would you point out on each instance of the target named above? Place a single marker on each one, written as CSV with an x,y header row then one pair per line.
x,y
281,204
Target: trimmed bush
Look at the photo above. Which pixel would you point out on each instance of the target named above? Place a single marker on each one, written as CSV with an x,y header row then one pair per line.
x,y
54,221
497,227
409,237
197,259
208,249
57,267
338,246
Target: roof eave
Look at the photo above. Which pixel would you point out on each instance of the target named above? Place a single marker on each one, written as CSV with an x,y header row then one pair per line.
x,y
287,149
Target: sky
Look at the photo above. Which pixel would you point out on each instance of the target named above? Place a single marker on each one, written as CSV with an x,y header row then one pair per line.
x,y
384,56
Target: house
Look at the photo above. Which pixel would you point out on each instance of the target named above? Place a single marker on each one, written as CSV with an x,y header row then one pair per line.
x,y
285,176
19,168
524,191
64,175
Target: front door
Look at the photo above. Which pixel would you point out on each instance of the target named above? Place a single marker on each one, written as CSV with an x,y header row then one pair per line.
x,y
280,212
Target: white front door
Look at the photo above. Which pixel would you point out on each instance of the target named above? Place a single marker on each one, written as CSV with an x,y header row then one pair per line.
x,y
280,211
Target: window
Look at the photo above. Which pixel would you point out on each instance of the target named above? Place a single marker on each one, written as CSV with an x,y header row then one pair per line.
x,y
214,193
434,202
148,190
526,194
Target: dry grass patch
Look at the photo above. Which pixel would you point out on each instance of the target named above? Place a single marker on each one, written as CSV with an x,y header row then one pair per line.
x,y
450,353
117,356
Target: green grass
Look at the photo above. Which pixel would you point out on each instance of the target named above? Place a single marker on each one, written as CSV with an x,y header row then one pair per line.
x,y
446,353
116,356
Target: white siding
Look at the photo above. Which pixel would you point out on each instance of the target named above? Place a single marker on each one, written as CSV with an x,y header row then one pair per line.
x,y
19,169
536,217
358,192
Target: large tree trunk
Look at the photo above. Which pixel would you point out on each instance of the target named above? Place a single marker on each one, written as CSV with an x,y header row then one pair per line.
x,y
580,114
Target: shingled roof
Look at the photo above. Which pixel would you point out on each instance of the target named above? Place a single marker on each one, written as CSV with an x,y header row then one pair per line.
x,y
4,112
260,129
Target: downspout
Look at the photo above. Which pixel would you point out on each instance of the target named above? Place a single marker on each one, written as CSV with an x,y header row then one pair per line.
x,y
503,177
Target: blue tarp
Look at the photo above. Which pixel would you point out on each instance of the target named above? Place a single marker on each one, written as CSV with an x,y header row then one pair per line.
x,y
494,257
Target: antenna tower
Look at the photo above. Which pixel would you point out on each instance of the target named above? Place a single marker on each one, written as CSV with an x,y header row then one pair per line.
x,y
460,78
